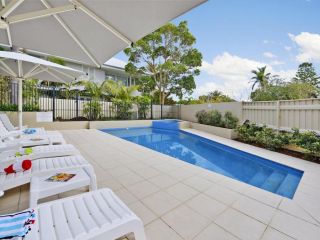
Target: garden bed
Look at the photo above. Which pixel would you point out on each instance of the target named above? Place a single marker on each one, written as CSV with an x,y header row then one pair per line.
x,y
305,145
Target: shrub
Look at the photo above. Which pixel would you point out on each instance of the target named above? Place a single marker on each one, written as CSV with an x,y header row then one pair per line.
x,y
247,132
230,121
215,118
202,117
271,139
10,107
92,110
122,108
310,141
143,103
263,136
31,108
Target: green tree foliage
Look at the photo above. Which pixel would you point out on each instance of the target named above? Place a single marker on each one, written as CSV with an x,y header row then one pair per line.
x,y
122,98
69,89
56,60
307,74
287,91
215,97
260,78
122,108
119,90
167,59
144,104
94,89
92,109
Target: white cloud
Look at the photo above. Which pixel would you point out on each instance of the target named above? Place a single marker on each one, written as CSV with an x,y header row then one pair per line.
x,y
231,74
309,46
287,48
265,41
276,63
269,55
286,74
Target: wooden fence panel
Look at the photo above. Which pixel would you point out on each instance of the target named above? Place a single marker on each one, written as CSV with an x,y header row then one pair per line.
x,y
303,114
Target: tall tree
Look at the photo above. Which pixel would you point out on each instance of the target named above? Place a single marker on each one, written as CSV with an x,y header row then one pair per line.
x,y
307,74
167,59
261,78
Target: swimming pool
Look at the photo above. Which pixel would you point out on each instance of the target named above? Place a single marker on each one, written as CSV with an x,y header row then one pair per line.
x,y
219,158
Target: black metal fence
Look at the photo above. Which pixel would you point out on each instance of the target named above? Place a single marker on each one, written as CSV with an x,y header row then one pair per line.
x,y
71,105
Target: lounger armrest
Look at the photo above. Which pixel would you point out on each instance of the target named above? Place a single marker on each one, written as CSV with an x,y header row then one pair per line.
x,y
10,146
15,133
23,127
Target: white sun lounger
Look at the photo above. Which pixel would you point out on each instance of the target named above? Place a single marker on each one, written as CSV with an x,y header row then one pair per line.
x,y
29,140
9,126
47,165
49,151
96,215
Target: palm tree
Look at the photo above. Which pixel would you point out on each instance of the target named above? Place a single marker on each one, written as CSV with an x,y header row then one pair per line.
x,y
95,90
120,91
261,78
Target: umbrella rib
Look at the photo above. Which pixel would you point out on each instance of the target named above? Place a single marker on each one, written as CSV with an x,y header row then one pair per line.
x,y
9,36
40,70
102,22
8,68
39,14
29,73
12,5
5,70
63,73
72,35
54,75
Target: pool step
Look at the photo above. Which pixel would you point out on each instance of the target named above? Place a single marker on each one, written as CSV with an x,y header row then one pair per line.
x,y
273,182
288,186
259,178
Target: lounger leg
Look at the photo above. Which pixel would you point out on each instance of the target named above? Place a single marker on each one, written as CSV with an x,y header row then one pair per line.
x,y
139,234
33,199
93,179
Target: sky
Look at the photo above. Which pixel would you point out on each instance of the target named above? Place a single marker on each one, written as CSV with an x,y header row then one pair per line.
x,y
237,36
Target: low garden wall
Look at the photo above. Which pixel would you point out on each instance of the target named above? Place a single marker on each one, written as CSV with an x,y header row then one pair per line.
x,y
30,119
119,124
222,132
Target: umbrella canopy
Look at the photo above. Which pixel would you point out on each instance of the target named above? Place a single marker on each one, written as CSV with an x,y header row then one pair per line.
x,y
87,31
22,66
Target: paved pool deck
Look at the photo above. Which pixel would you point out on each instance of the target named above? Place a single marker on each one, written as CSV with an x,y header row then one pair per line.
x,y
177,200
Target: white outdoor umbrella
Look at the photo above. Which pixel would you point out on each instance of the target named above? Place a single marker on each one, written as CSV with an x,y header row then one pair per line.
x,y
87,31
22,66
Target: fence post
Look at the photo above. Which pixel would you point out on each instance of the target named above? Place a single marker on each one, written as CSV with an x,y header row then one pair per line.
x,y
90,117
161,111
151,110
241,112
77,105
278,115
54,103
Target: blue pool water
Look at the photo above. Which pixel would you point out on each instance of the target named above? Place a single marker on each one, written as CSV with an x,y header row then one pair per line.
x,y
245,167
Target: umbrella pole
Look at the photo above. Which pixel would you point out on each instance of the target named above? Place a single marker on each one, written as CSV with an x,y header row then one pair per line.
x,y
20,103
20,100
